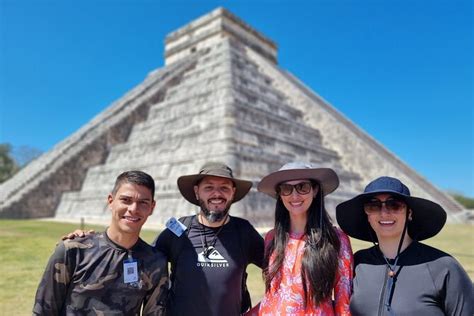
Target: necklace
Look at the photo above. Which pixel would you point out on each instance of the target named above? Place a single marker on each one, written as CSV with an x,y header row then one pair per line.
x,y
391,267
390,284
208,249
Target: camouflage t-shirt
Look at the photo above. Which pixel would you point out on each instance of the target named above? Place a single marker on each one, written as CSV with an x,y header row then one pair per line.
x,y
85,276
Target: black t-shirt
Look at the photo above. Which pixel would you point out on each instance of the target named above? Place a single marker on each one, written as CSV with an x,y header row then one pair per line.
x,y
210,285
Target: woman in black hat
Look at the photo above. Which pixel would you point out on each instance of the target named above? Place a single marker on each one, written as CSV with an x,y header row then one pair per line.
x,y
399,275
307,260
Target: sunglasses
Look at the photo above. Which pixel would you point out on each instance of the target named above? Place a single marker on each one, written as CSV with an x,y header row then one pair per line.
x,y
286,189
392,205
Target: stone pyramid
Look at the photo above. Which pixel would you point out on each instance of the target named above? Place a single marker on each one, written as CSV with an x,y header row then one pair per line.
x,y
220,97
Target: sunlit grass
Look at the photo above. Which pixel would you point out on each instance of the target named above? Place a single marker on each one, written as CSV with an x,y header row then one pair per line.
x,y
25,246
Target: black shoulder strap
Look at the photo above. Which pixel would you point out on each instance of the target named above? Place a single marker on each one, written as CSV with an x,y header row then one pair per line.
x,y
244,243
186,220
246,303
243,238
179,243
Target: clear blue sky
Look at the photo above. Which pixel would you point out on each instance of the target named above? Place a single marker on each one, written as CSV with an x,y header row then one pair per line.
x,y
401,70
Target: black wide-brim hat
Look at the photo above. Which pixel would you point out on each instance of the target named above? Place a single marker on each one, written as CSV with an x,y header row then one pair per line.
x,y
215,169
427,220
326,177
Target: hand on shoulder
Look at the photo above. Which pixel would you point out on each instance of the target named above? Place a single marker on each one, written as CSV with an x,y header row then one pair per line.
x,y
78,233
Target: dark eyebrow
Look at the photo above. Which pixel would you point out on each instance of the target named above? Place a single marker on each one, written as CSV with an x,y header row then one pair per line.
x,y
124,196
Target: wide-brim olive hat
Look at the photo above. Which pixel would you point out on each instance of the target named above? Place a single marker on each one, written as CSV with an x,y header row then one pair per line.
x,y
216,169
326,177
427,219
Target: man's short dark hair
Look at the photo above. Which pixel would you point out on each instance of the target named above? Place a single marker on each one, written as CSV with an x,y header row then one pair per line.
x,y
135,177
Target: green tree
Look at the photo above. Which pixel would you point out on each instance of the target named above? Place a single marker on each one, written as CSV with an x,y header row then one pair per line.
x,y
465,201
8,166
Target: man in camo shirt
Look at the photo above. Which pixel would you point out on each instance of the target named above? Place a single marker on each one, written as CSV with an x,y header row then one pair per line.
x,y
109,273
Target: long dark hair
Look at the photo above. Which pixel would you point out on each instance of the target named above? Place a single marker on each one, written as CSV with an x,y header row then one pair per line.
x,y
320,257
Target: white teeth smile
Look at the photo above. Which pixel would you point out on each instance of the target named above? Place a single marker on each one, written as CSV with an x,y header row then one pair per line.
x,y
296,203
216,201
131,219
386,222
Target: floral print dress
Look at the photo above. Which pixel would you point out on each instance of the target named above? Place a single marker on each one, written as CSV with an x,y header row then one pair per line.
x,y
286,294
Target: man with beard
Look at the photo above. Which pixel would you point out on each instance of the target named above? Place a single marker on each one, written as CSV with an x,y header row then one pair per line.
x,y
210,251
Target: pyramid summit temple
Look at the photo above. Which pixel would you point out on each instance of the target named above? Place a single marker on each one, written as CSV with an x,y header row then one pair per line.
x,y
221,96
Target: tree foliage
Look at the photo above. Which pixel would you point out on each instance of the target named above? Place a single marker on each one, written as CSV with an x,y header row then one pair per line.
x,y
465,201
8,166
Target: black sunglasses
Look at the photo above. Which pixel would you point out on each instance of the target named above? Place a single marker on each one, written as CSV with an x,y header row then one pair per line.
x,y
286,189
392,205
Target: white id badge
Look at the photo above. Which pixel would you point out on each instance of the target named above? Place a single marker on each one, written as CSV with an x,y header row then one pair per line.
x,y
175,226
130,271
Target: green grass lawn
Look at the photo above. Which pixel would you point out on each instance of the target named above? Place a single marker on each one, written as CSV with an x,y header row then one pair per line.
x,y
25,246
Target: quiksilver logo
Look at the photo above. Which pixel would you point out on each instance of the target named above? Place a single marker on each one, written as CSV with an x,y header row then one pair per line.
x,y
213,259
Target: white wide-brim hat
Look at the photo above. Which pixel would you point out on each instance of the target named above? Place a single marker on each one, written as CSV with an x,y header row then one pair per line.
x,y
325,177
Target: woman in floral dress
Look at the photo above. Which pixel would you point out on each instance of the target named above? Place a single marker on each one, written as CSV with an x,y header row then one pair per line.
x,y
308,261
